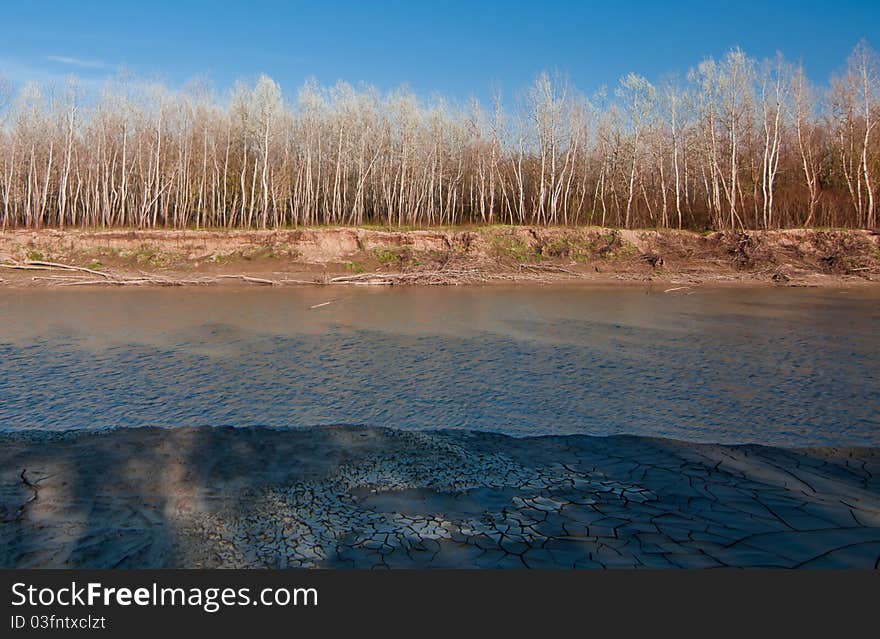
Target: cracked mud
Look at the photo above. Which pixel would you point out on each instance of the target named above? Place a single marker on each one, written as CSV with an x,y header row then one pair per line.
x,y
382,498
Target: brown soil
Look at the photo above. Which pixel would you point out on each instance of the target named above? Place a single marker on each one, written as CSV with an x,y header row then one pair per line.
x,y
483,254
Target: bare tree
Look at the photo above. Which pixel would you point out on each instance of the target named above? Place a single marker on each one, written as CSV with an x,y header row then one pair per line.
x,y
639,98
737,136
774,87
807,129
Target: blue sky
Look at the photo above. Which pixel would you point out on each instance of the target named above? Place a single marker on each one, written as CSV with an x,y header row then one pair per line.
x,y
454,48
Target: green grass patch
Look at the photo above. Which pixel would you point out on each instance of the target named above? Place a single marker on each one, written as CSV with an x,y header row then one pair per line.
x,y
395,256
514,247
386,256
256,253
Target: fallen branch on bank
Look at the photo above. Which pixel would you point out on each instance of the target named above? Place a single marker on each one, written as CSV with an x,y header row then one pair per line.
x,y
56,278
865,269
442,277
90,282
247,278
79,276
139,281
66,267
550,268
39,265
26,267
310,282
143,281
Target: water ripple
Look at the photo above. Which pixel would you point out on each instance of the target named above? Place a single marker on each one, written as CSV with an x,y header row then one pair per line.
x,y
727,378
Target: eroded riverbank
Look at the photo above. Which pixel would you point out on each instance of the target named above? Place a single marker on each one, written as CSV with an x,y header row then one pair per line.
x,y
373,497
321,256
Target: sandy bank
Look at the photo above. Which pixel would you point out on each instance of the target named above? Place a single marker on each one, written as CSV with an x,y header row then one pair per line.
x,y
490,254
366,497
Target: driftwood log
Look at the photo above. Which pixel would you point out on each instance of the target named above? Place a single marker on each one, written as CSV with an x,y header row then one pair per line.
x,y
442,277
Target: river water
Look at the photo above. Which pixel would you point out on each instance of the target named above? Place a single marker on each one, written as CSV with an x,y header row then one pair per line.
x,y
791,367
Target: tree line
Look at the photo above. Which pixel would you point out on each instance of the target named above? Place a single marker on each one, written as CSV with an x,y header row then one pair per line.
x,y
737,143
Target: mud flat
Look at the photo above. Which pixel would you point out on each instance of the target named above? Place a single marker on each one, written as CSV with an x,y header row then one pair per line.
x,y
377,256
349,496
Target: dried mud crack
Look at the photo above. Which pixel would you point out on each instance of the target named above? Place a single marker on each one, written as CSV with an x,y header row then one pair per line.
x,y
382,498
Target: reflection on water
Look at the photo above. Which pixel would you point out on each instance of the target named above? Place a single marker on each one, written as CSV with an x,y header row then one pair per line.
x,y
772,366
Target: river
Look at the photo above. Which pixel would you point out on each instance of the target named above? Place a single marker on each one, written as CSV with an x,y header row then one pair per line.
x,y
785,367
